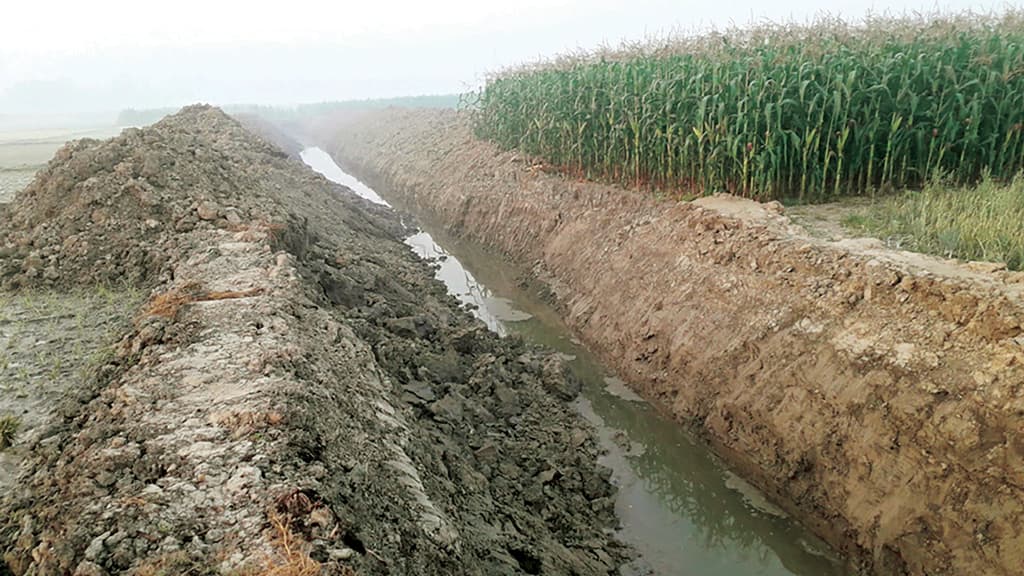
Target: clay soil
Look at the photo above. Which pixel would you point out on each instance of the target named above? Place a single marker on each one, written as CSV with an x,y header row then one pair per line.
x,y
877,395
286,391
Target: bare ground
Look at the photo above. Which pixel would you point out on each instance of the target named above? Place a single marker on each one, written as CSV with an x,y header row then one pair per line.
x,y
875,394
49,343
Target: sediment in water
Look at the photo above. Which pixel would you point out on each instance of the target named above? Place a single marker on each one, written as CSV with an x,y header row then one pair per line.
x,y
297,394
876,395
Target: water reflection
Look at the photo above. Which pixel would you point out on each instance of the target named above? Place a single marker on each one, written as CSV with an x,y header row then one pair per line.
x,y
493,310
680,507
321,162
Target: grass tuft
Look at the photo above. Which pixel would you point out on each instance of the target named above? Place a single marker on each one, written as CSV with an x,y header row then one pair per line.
x,y
985,222
9,426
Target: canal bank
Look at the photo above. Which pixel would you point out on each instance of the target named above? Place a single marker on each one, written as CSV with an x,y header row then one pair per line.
x,y
873,394
680,506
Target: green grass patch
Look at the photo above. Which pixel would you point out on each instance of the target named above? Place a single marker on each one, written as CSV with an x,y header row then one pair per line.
x,y
984,222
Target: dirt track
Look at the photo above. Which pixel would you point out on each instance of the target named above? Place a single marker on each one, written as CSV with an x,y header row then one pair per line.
x,y
297,393
877,395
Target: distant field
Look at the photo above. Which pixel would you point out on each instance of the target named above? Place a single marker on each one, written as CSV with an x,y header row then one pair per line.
x,y
20,148
23,151
13,180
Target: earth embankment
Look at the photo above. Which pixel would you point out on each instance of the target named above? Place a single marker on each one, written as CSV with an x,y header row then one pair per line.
x,y
875,394
296,395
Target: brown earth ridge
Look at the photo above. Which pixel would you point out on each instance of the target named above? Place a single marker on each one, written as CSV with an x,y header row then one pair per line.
x,y
297,396
877,395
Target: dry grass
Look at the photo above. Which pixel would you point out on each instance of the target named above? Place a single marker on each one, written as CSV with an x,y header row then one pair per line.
x,y
228,295
257,230
168,304
293,551
171,564
246,422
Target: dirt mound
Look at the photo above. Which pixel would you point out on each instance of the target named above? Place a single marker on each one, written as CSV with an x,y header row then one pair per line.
x,y
877,395
298,394
112,211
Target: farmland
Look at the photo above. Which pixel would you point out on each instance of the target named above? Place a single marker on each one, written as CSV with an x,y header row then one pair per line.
x,y
812,113
835,373
24,150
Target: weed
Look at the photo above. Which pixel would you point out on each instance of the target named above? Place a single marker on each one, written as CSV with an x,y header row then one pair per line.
x,y
979,223
9,426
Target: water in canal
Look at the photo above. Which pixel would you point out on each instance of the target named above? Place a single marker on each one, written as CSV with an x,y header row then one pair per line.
x,y
679,506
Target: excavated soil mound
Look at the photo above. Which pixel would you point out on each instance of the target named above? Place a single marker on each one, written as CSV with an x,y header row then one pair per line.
x,y
297,396
877,395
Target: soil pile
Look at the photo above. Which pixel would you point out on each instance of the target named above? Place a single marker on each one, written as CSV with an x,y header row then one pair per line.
x,y
877,395
297,395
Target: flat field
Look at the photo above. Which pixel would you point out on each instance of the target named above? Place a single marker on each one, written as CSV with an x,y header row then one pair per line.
x,y
24,150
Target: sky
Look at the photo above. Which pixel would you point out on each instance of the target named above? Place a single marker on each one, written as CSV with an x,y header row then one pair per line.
x,y
98,55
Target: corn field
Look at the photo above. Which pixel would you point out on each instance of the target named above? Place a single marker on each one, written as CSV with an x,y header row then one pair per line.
x,y
797,112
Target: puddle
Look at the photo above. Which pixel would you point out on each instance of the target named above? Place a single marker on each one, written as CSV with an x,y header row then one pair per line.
x,y
680,507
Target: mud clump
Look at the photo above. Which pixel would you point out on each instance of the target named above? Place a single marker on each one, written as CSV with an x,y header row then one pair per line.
x,y
876,395
297,393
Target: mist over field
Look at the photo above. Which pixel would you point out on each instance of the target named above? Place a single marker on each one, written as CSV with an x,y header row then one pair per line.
x,y
109,55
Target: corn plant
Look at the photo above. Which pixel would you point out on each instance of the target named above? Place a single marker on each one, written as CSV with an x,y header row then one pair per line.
x,y
802,112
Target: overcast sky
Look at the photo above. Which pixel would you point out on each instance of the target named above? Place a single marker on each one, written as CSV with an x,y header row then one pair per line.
x,y
61,56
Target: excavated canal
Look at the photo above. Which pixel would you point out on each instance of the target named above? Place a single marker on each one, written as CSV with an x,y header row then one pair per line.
x,y
680,507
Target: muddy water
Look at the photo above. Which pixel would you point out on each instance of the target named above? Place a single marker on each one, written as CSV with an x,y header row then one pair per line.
x,y
683,511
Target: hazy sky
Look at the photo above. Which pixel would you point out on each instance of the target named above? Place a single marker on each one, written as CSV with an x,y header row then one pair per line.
x,y
60,56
